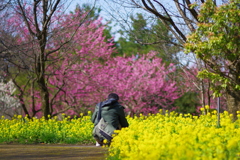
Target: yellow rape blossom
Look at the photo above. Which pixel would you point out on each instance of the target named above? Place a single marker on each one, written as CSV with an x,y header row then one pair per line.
x,y
176,137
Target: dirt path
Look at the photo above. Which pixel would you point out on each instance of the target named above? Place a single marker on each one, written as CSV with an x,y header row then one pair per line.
x,y
51,152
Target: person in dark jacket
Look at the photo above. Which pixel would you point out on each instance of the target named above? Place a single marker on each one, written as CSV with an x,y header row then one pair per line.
x,y
112,112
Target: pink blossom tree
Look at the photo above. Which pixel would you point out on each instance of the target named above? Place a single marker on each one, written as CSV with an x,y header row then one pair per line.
x,y
74,75
142,83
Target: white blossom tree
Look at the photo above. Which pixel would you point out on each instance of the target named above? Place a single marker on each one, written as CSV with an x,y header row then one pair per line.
x,y
9,104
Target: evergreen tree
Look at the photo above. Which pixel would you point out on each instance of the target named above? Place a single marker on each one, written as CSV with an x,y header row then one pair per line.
x,y
188,103
145,36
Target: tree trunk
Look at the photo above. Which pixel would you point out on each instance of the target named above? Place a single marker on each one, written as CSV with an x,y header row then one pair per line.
x,y
233,102
233,95
44,98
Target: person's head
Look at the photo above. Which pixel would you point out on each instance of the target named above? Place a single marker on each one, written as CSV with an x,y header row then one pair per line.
x,y
114,96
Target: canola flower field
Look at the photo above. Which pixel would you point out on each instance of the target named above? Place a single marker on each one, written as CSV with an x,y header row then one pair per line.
x,y
170,136
183,137
70,131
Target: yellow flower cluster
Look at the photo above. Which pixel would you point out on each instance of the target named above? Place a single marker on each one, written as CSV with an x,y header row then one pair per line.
x,y
183,137
23,130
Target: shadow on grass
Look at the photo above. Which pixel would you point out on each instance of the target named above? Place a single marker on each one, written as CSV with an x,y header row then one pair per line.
x,y
51,152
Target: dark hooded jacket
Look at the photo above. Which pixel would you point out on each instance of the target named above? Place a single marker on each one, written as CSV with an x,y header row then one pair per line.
x,y
112,112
